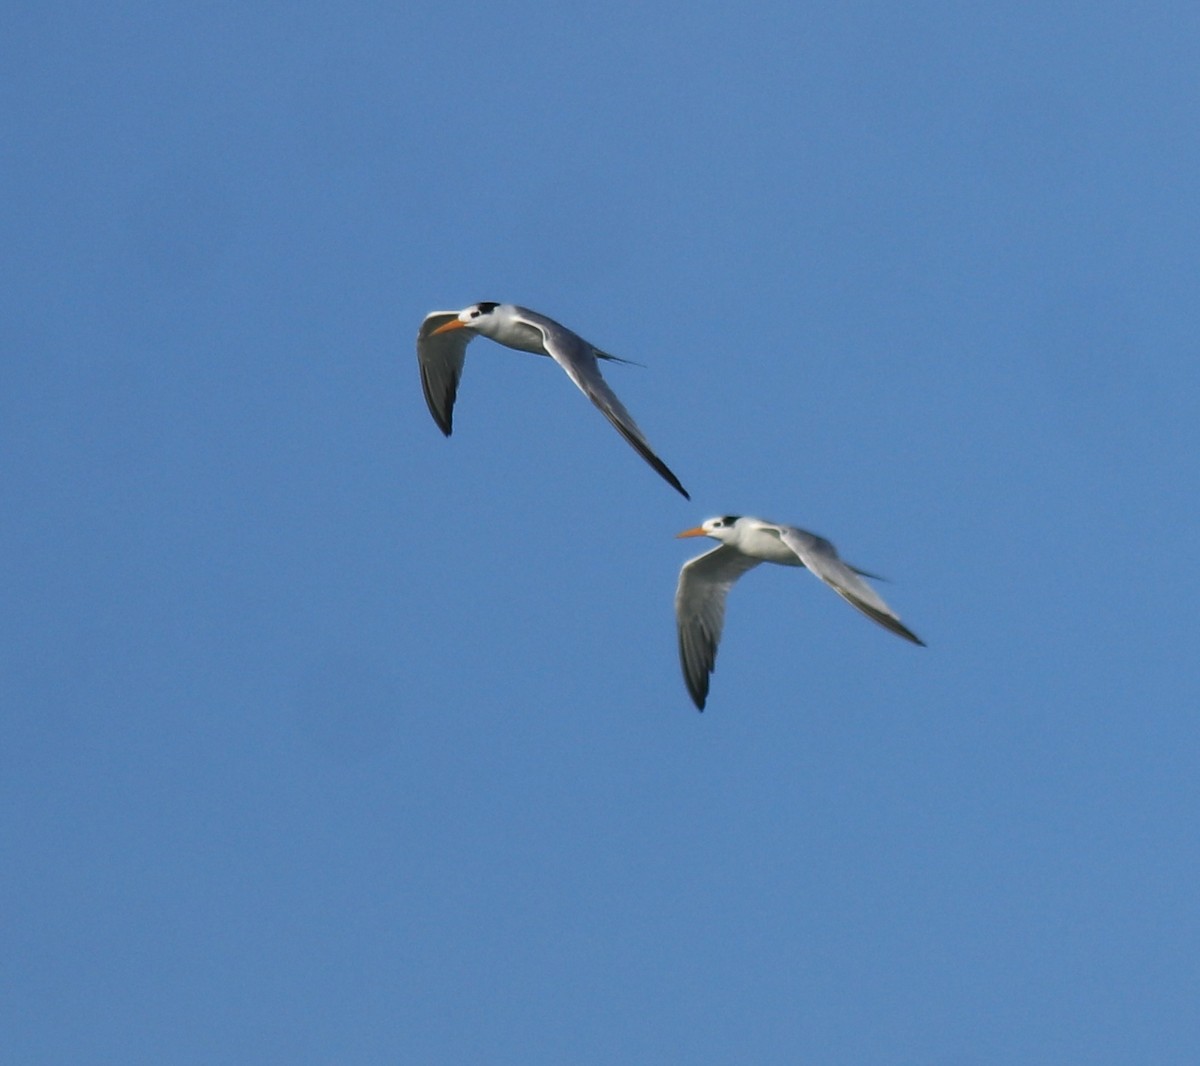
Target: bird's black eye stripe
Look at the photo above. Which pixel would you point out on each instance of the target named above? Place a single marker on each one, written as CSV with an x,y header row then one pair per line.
x,y
729,519
485,309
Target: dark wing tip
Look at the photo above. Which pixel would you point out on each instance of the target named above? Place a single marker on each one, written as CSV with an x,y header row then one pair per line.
x,y
698,664
444,415
444,418
644,450
889,623
665,472
443,412
697,685
900,629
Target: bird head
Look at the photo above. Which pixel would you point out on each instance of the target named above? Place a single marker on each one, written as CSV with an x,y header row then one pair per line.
x,y
474,317
721,529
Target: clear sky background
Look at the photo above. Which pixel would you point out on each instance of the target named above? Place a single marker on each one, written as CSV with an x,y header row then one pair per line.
x,y
327,739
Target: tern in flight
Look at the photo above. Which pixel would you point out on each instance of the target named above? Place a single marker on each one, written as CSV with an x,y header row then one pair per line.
x,y
705,581
442,345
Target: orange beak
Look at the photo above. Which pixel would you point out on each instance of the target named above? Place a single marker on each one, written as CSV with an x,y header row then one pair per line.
x,y
454,323
699,531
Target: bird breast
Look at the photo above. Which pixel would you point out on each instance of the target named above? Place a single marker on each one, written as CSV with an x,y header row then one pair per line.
x,y
520,335
763,544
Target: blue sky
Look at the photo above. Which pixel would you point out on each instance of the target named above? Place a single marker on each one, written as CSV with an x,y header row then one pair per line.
x,y
326,739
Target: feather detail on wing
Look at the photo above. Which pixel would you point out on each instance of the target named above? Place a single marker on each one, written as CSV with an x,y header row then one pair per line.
x,y
441,361
578,359
821,557
704,582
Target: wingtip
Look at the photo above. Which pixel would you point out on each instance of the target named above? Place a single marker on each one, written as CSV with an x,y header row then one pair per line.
x,y
666,473
663,471
889,621
443,422
900,629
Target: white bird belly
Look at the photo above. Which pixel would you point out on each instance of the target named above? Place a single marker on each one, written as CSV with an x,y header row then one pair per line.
x,y
762,544
519,335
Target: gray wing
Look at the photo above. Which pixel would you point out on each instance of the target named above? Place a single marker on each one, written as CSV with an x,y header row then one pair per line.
x,y
821,557
441,361
704,583
578,359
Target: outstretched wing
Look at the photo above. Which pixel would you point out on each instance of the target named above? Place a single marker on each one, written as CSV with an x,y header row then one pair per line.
x,y
821,557
704,583
578,359
441,361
